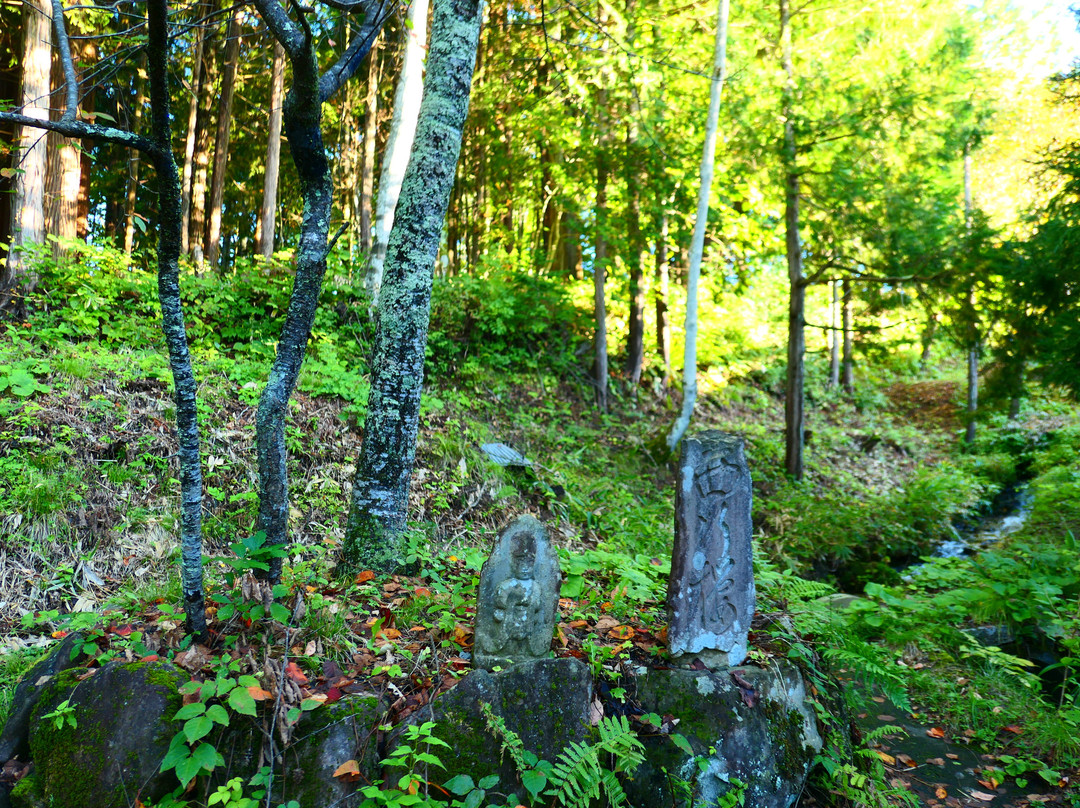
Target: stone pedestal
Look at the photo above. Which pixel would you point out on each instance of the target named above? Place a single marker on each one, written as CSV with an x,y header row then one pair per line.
x,y
711,589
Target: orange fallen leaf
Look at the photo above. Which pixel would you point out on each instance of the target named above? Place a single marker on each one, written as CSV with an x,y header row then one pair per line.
x,y
940,792
952,756
621,632
578,623
348,772
907,761
422,591
258,693
889,759
56,635
936,732
389,633
292,670
1013,728
365,576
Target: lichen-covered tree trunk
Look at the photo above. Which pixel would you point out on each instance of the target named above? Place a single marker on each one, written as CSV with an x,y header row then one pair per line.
x,y
375,532
302,118
170,222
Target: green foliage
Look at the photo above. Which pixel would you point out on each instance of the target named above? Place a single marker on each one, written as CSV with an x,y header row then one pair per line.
x,y
190,751
503,319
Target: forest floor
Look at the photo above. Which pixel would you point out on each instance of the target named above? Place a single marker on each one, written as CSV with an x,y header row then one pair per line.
x,y
87,524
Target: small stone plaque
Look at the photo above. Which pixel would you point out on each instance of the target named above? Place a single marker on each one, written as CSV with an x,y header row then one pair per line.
x,y
518,597
711,594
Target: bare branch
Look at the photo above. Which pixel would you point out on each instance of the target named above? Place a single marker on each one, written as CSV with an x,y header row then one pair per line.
x,y
347,64
71,85
282,27
90,131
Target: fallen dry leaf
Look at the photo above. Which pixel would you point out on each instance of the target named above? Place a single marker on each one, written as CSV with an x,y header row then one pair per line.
x,y
365,576
1014,729
348,772
579,623
621,633
292,670
258,693
907,760
940,792
937,761
889,759
952,756
936,732
983,796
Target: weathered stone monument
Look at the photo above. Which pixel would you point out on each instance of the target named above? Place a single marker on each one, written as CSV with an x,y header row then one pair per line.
x,y
711,589
518,597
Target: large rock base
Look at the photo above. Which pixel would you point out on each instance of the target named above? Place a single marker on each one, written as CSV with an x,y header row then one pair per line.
x,y
748,729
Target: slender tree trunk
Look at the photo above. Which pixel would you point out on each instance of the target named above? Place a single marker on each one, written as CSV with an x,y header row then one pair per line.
x,y
221,141
170,222
189,140
794,415
972,392
17,279
203,140
600,261
927,339
371,130
264,233
660,292
410,88
848,362
701,223
374,536
635,343
834,336
134,157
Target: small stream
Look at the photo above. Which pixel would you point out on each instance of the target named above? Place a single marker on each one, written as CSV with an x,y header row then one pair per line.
x,y
1008,513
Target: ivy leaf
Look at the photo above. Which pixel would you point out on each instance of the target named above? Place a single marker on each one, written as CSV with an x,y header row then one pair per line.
x,y
534,782
218,714
206,756
187,769
190,711
460,785
241,701
197,727
682,743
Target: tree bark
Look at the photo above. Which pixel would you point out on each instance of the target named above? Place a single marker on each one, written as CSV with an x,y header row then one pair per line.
x,y
701,223
17,279
264,233
600,261
660,292
848,361
972,393
635,342
834,336
375,533
134,158
221,140
794,414
371,130
410,88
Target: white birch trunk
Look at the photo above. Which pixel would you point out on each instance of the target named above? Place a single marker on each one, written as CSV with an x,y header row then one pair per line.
x,y
697,244
264,236
410,89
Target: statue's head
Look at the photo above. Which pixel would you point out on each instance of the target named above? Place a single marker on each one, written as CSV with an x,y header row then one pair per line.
x,y
522,554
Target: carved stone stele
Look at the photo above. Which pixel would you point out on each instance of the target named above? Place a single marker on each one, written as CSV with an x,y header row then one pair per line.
x,y
518,597
711,594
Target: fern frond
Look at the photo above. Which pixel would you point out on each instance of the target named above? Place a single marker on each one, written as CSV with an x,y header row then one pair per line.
x,y
613,790
620,740
510,742
862,659
576,775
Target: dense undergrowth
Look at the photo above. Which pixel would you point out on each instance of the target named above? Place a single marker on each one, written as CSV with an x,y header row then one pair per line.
x,y
88,488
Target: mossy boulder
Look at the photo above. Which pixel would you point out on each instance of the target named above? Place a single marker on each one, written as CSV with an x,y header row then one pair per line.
x,y
113,753
321,741
546,702
764,735
15,739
